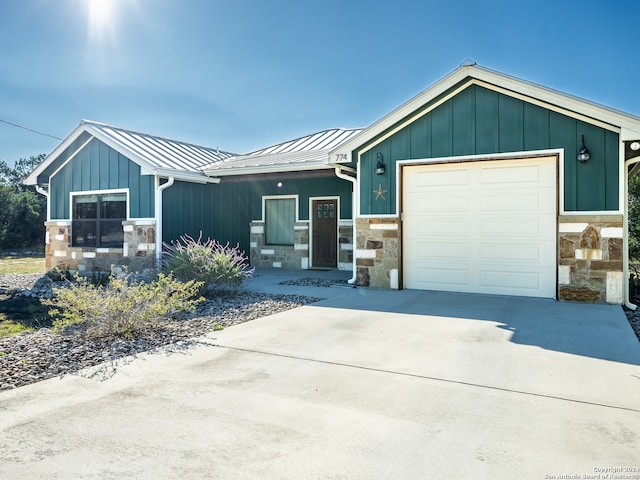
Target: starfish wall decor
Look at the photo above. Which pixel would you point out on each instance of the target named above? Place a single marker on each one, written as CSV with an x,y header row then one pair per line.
x,y
380,192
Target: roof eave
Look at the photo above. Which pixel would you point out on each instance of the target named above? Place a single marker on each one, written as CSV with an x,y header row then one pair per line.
x,y
228,172
146,168
184,176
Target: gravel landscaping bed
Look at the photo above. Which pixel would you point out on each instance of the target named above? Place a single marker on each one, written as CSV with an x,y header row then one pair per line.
x,y
634,320
31,357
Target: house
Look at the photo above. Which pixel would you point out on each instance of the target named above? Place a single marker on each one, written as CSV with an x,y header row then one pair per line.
x,y
481,183
115,195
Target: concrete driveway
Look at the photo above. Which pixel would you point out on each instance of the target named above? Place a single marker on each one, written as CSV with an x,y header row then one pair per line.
x,y
365,385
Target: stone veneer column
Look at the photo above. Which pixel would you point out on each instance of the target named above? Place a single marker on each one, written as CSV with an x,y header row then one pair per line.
x,y
57,242
378,252
139,238
590,264
293,257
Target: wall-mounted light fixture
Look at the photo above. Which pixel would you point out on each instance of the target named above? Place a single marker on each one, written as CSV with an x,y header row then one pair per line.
x,y
380,168
279,185
583,155
635,146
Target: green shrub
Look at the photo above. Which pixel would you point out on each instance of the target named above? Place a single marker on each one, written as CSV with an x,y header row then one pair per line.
x,y
122,308
217,266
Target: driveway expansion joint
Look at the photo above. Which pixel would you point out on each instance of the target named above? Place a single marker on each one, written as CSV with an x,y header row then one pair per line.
x,y
426,377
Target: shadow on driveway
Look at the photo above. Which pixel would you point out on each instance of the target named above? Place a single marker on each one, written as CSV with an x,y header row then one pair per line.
x,y
598,331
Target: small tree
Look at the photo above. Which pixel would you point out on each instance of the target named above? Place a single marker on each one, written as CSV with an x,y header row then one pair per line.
x,y
634,218
20,171
23,210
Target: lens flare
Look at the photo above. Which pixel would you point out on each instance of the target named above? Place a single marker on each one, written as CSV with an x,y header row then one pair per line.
x,y
100,19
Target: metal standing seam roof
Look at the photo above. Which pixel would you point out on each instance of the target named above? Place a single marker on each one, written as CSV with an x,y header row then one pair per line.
x,y
307,152
159,155
158,152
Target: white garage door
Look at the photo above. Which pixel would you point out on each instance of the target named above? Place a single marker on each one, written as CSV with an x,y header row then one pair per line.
x,y
483,227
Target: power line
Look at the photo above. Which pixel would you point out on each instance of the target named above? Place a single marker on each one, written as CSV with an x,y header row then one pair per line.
x,y
30,129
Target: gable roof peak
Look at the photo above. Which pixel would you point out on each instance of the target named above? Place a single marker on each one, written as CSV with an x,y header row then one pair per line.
x,y
154,154
468,73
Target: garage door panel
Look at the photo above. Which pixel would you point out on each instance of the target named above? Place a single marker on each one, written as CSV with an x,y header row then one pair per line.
x,y
510,175
451,203
525,201
434,252
512,227
439,226
441,179
434,277
512,253
510,282
495,234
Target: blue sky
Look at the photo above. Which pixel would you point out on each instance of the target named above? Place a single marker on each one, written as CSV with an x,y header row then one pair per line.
x,y
244,74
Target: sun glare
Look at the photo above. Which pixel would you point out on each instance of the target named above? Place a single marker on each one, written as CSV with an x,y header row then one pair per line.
x,y
99,10
100,18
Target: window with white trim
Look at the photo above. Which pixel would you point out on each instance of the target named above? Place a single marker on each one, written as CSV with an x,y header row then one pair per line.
x,y
279,220
97,220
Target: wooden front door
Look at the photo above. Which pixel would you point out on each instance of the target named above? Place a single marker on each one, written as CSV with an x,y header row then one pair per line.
x,y
325,233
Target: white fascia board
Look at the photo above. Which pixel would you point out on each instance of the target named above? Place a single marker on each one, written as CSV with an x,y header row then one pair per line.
x,y
32,179
629,134
185,176
344,168
570,102
629,124
228,172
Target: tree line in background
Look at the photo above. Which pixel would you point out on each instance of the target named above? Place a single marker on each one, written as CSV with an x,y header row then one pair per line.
x,y
634,218
23,211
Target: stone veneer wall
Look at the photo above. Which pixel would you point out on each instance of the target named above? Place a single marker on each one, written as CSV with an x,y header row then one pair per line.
x,y
138,249
297,257
591,258
378,252
294,256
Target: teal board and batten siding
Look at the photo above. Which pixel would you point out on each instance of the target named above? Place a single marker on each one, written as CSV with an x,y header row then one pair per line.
x,y
482,121
99,167
224,211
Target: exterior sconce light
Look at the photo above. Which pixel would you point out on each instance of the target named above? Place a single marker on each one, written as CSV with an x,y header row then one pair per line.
x,y
380,168
635,146
583,154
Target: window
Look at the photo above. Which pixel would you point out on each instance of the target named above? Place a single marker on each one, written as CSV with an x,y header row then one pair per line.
x,y
97,220
280,216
